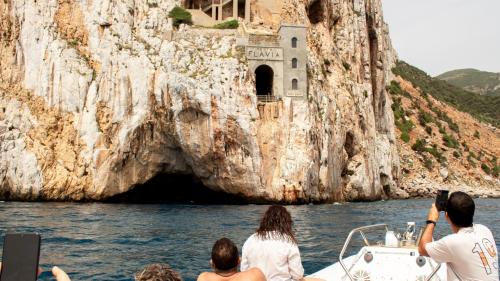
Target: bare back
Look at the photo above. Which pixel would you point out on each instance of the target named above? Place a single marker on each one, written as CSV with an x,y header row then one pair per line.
x,y
253,274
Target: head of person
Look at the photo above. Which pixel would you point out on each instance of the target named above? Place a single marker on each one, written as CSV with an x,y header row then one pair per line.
x,y
157,272
460,209
225,256
276,223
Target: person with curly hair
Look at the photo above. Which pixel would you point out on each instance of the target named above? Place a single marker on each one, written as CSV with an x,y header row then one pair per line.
x,y
157,272
273,247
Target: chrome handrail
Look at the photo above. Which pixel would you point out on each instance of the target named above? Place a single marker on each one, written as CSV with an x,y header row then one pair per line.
x,y
349,237
434,272
365,240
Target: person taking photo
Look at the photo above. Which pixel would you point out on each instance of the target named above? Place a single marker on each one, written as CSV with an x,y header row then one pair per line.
x,y
470,252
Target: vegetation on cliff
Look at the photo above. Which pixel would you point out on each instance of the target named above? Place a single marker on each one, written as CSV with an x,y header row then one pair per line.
x,y
180,16
484,108
440,145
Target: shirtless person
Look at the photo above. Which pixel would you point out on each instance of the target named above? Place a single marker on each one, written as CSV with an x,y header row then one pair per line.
x,y
225,261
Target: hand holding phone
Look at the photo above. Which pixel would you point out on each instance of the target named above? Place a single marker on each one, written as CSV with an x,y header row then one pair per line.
x,y
442,200
21,253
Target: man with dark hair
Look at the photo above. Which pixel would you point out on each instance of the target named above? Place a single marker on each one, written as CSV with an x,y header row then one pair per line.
x,y
470,253
157,272
225,261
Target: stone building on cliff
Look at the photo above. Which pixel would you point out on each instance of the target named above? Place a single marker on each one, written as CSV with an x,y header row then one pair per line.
x,y
278,60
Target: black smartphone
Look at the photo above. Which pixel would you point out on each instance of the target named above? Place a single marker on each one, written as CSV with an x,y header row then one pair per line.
x,y
21,253
441,200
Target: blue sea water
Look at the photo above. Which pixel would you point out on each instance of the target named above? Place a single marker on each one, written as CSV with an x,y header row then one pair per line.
x,y
113,241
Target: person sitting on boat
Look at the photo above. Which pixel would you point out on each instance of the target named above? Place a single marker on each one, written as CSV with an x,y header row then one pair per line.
x,y
273,248
225,261
470,253
157,272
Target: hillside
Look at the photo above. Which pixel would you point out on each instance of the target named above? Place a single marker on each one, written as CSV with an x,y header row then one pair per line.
x,y
473,80
484,108
440,146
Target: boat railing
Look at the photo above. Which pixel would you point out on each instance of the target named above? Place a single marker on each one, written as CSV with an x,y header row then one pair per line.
x,y
362,231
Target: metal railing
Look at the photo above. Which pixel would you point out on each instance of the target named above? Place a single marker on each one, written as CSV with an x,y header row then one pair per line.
x,y
266,98
365,240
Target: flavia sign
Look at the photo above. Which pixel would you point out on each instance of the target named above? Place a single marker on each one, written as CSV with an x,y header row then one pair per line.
x,y
264,53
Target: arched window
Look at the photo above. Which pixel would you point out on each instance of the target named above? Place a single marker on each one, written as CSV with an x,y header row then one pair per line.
x,y
294,42
295,84
294,63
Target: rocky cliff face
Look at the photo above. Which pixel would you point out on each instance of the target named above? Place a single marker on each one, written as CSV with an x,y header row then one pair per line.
x,y
99,96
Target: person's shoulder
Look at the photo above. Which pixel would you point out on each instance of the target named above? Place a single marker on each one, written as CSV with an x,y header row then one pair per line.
x,y
481,227
205,276
253,274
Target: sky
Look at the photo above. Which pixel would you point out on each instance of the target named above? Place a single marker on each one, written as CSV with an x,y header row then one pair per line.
x,y
442,35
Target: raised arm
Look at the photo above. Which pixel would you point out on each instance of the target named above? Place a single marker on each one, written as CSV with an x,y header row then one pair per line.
x,y
427,237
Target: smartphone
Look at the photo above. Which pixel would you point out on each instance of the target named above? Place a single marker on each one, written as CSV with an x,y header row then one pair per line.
x,y
442,200
21,253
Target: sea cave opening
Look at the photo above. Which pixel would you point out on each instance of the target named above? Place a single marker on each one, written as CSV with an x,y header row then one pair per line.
x,y
175,189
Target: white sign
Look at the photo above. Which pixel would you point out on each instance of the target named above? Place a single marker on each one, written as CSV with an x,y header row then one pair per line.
x,y
264,53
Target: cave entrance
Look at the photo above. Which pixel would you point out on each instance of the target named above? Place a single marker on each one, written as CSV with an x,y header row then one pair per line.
x,y
315,11
175,189
264,76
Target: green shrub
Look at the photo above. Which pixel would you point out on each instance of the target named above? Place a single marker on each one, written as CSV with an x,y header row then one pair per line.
x,y
442,130
486,168
424,118
428,163
470,158
494,159
230,24
435,152
419,145
405,126
398,110
456,154
428,130
450,141
180,16
395,89
405,137
496,171
476,135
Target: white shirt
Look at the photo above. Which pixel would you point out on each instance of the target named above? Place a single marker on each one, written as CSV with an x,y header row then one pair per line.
x,y
279,260
470,254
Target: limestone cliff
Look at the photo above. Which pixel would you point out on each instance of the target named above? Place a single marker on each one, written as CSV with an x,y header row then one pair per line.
x,y
99,96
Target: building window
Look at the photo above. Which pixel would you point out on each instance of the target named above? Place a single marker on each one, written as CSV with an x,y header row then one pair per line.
x,y
294,63
294,42
295,84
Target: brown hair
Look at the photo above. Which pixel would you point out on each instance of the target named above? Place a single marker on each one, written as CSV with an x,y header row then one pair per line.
x,y
157,272
225,255
276,223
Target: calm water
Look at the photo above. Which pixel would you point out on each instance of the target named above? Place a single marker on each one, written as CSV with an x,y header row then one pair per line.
x,y
111,242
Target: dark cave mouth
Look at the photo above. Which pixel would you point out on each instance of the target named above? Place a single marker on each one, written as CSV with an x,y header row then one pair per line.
x,y
175,189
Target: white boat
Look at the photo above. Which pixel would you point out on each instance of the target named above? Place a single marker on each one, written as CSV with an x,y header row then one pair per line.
x,y
396,259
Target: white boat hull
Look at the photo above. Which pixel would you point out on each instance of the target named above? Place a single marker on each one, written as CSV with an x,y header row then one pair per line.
x,y
387,264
